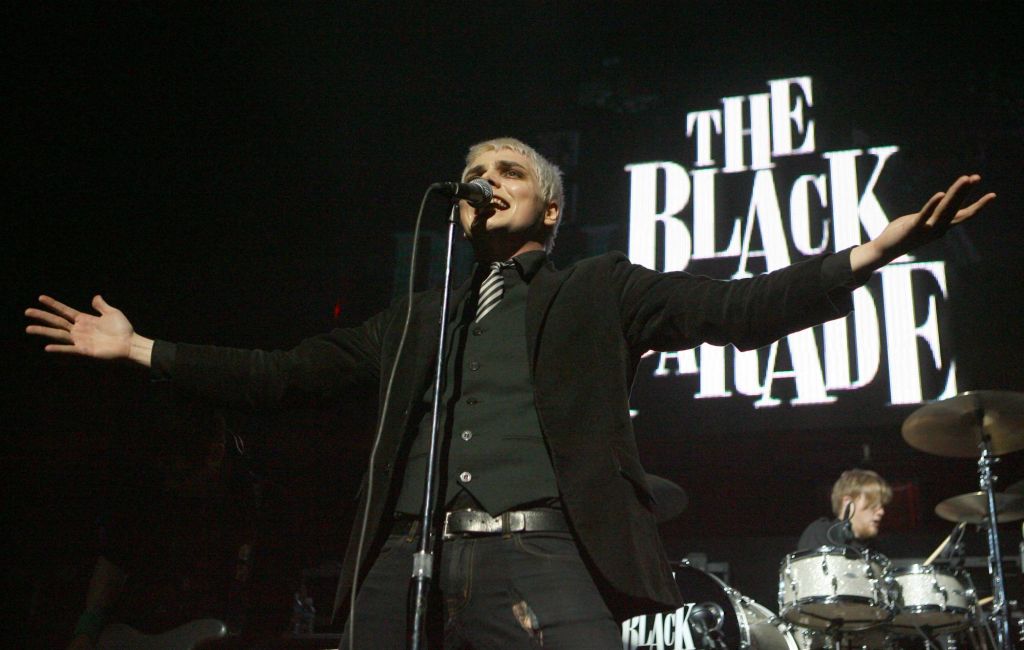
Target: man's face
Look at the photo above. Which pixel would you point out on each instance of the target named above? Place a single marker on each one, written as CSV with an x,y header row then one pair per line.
x,y
517,211
867,515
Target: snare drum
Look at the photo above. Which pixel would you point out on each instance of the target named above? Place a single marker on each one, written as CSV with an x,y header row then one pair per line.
x,y
834,586
927,596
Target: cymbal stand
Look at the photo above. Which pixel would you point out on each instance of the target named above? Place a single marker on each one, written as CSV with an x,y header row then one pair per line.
x,y
986,481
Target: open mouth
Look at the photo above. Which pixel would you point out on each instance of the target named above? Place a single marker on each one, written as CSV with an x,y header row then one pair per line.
x,y
497,203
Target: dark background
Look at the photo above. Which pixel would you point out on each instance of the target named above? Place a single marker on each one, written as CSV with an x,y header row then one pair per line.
x,y
246,173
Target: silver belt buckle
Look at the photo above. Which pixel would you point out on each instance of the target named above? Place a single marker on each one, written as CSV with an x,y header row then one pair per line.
x,y
444,528
516,521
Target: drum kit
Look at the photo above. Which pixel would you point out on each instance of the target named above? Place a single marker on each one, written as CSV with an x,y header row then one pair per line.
x,y
838,597
842,598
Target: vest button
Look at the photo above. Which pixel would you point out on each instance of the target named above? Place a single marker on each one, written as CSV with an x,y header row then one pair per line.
x,y
472,400
465,477
467,435
474,365
477,331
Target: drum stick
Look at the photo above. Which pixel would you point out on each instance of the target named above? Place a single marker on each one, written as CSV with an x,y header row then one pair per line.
x,y
945,542
935,553
985,601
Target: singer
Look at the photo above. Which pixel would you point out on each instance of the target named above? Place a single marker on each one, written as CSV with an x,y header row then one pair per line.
x,y
549,535
859,498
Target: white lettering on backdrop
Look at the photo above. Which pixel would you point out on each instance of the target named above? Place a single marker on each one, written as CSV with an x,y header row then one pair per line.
x,y
740,146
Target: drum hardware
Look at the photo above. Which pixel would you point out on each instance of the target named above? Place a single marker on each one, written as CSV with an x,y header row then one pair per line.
x,y
927,635
706,620
834,634
985,423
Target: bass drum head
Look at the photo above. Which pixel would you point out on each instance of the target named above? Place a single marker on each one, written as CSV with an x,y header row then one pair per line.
x,y
735,620
745,623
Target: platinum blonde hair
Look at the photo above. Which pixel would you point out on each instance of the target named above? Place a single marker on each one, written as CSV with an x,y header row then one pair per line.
x,y
549,176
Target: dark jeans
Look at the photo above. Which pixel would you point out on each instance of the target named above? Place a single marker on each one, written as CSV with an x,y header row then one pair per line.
x,y
522,590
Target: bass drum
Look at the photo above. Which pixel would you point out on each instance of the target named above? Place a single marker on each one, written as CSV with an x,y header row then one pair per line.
x,y
713,616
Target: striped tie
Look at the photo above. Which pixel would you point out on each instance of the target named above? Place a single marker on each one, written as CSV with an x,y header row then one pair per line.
x,y
491,289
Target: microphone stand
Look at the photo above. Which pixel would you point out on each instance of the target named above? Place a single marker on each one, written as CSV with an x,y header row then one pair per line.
x,y
423,559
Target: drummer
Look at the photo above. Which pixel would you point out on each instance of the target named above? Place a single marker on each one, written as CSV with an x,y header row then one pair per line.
x,y
859,495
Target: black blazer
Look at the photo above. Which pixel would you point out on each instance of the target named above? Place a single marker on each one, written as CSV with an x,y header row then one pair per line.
x,y
586,327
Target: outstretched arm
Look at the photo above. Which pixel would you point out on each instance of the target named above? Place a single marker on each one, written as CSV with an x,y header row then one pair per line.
x,y
109,335
902,235
674,311
319,368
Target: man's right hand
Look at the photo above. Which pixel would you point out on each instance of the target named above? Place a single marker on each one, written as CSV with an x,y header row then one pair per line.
x,y
107,336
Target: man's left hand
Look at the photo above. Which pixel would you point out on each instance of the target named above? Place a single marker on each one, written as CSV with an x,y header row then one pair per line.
x,y
902,235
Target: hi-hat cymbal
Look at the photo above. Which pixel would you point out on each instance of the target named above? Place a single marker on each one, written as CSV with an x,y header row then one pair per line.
x,y
950,427
972,508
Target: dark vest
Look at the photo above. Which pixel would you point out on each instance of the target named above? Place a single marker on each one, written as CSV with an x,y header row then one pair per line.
x,y
494,448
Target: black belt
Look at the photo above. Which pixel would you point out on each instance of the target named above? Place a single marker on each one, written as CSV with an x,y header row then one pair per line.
x,y
466,522
477,522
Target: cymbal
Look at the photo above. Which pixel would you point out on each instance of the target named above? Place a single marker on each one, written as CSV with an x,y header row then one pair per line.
x,y
972,508
950,427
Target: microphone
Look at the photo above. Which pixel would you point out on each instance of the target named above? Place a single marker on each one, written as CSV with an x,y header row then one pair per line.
x,y
847,524
477,192
848,512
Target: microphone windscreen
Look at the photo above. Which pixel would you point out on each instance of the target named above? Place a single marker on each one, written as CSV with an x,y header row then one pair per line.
x,y
485,190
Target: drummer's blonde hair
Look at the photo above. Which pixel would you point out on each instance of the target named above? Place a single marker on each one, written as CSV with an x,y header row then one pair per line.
x,y
855,482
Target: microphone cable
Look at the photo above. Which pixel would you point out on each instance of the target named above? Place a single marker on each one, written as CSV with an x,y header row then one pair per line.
x,y
844,527
380,425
